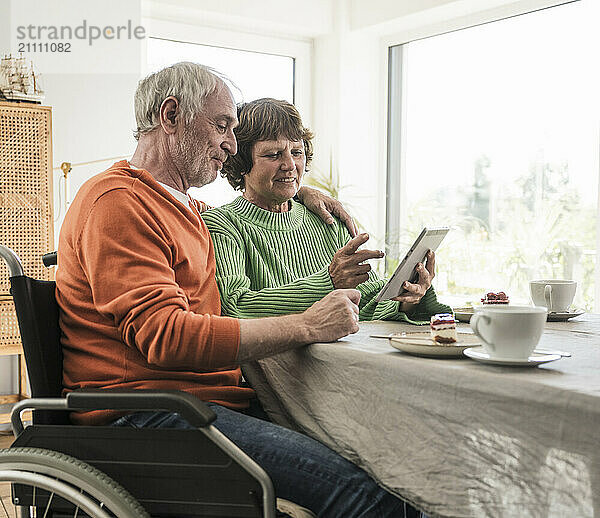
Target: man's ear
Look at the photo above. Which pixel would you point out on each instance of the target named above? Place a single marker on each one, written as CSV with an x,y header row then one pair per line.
x,y
169,115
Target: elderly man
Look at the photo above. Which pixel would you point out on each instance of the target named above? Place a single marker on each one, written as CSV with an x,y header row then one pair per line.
x,y
139,305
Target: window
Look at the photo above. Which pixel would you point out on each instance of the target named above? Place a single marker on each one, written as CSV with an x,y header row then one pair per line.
x,y
494,131
255,74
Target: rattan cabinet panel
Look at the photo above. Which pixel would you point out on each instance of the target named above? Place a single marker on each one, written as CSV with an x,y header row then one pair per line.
x,y
26,212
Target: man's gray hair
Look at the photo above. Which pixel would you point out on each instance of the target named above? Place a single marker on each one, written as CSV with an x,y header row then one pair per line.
x,y
190,83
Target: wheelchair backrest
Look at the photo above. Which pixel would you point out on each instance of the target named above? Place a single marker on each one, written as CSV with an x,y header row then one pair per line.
x,y
37,315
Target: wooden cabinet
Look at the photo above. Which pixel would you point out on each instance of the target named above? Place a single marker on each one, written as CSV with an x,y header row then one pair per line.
x,y
26,211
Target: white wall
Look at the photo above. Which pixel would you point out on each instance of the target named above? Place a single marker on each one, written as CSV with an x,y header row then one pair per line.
x,y
92,119
281,18
345,113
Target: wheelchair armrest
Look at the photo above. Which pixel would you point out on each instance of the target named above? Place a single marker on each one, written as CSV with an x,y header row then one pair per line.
x,y
49,259
194,411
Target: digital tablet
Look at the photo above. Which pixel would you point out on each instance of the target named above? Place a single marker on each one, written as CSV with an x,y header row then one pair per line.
x,y
429,239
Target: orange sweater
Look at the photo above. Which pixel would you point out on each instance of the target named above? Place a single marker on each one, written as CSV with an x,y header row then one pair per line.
x,y
139,304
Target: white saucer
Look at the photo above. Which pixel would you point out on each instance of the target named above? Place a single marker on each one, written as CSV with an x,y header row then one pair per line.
x,y
479,354
421,344
564,315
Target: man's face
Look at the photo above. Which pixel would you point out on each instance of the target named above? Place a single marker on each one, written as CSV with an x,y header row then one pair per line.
x,y
208,140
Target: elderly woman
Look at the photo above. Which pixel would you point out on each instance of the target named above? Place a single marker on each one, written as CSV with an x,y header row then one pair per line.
x,y
275,257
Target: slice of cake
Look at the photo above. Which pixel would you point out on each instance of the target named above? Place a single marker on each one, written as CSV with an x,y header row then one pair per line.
x,y
495,298
443,328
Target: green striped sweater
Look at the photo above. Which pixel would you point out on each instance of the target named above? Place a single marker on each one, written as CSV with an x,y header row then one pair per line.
x,y
271,263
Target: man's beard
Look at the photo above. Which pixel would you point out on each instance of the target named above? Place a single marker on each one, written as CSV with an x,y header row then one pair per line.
x,y
194,163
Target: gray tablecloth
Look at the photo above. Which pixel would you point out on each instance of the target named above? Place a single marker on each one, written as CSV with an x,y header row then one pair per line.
x,y
454,437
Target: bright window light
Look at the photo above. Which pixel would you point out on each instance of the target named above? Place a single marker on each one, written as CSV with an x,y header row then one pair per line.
x,y
500,140
255,74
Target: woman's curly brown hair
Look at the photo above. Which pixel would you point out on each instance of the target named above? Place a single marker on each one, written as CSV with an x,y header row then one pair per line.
x,y
263,119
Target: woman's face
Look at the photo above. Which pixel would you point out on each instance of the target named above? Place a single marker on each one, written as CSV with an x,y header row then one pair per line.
x,y
278,167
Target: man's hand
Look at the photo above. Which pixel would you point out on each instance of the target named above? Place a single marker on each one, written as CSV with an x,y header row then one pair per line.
x,y
325,207
333,317
414,292
346,269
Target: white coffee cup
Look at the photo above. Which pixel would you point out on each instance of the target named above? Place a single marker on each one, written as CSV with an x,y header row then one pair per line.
x,y
557,295
509,332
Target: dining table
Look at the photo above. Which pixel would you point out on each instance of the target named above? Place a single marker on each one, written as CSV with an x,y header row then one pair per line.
x,y
453,436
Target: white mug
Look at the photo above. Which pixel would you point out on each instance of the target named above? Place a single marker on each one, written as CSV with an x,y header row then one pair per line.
x,y
557,295
509,332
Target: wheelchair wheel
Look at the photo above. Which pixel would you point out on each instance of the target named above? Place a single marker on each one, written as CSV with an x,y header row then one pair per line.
x,y
42,483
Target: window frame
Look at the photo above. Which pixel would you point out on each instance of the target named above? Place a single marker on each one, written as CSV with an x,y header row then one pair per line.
x,y
299,49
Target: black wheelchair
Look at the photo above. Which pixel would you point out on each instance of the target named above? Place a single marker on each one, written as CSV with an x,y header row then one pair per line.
x,y
58,470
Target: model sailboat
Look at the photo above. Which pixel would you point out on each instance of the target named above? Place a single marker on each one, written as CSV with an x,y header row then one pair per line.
x,y
18,81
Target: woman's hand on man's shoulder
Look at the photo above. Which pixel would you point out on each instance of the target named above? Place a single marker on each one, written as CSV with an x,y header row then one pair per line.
x,y
326,207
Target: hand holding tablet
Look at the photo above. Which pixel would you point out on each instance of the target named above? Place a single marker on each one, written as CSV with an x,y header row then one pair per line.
x,y
415,289
429,239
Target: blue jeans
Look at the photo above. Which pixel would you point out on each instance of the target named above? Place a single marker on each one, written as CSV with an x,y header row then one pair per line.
x,y
303,470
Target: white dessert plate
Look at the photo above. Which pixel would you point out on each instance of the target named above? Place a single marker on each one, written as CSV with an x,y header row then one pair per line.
x,y
463,314
564,316
421,344
479,354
